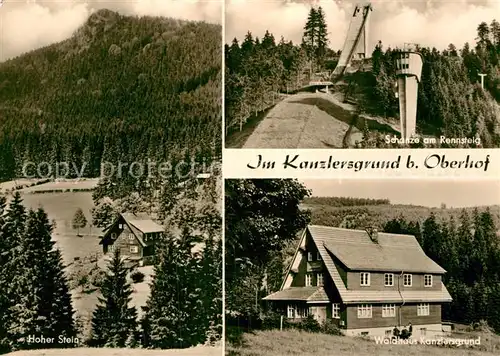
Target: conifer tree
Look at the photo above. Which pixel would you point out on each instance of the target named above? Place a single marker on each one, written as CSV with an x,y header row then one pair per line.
x,y
175,315
44,308
211,273
321,37
114,321
315,38
310,33
12,234
5,345
79,221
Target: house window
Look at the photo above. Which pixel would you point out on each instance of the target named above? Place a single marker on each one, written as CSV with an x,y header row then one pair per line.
x,y
365,279
364,311
308,280
130,236
120,226
111,248
309,256
423,331
336,311
319,278
134,249
318,256
389,279
407,280
291,311
302,312
113,235
428,280
388,310
423,309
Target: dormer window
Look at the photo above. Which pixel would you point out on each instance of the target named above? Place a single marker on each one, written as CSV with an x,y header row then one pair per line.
x,y
309,256
364,279
407,280
319,278
308,280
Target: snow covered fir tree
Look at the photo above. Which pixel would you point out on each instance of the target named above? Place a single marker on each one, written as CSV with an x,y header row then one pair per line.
x,y
35,302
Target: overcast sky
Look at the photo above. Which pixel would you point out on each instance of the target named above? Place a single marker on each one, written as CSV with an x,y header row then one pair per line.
x,y
427,22
423,192
29,24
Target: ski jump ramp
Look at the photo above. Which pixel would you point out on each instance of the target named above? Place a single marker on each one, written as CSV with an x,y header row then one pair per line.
x,y
356,42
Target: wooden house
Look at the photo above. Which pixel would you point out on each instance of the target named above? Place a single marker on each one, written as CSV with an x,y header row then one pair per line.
x,y
364,281
135,235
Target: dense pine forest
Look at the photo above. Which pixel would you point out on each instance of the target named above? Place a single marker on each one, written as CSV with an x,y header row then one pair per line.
x,y
450,103
183,309
121,89
256,72
261,241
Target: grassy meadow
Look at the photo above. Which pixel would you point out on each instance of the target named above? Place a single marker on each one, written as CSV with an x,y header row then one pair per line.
x,y
194,351
290,343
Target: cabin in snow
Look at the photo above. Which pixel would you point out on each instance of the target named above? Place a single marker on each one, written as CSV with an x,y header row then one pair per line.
x,y
364,281
135,235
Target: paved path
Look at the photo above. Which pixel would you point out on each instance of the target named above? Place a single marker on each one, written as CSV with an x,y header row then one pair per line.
x,y
297,123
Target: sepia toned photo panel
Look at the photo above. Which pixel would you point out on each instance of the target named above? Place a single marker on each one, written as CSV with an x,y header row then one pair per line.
x,y
362,267
351,74
110,177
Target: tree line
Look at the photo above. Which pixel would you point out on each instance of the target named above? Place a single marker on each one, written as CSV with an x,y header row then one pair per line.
x,y
121,89
344,201
183,309
258,70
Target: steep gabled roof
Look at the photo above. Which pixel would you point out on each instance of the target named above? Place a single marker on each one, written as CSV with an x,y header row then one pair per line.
x,y
392,253
138,223
356,251
142,222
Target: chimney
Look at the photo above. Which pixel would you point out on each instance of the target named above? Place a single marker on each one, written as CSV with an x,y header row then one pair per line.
x,y
373,233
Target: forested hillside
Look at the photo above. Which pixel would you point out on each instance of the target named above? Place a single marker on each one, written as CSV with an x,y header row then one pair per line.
x,y
354,213
121,89
450,102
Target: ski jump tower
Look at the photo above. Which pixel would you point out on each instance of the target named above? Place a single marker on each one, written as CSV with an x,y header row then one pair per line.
x,y
408,71
356,42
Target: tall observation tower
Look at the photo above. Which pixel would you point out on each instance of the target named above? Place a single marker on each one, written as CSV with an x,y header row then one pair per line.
x,y
408,71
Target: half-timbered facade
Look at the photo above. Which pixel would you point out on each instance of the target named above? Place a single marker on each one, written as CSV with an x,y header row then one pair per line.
x,y
365,281
135,235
